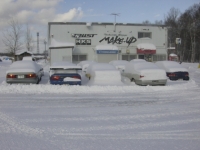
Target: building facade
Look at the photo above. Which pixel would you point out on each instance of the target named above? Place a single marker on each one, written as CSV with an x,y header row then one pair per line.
x,y
104,42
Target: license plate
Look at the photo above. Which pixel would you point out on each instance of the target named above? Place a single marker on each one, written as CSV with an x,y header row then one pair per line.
x,y
20,76
155,81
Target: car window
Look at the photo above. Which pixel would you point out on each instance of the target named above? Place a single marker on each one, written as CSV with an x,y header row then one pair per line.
x,y
64,71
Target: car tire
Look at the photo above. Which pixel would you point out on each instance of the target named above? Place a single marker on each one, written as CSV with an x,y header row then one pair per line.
x,y
132,80
38,80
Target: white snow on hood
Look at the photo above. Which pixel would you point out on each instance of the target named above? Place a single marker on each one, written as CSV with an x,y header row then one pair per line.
x,y
171,66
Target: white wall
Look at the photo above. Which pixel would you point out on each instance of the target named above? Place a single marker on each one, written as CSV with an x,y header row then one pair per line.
x,y
63,33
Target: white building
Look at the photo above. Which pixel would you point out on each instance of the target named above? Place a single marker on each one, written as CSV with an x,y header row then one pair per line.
x,y
104,42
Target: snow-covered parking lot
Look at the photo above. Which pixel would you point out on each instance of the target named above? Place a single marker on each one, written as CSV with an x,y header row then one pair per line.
x,y
128,117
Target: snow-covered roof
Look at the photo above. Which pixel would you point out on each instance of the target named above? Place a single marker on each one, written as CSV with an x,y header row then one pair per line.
x,y
171,48
24,66
106,47
173,55
171,66
22,51
56,44
104,74
149,70
146,46
86,62
119,64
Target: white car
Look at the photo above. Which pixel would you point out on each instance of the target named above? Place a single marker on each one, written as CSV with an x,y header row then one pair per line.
x,y
103,74
174,70
24,72
119,64
28,58
145,73
138,60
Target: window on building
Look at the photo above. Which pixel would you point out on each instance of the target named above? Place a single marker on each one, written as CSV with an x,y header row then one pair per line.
x,y
128,57
77,58
159,57
144,34
140,56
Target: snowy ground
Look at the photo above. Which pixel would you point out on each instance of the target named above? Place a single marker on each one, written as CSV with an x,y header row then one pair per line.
x,y
129,117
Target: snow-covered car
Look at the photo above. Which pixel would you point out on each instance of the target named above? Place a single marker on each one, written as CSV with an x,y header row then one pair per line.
x,y
119,64
7,59
174,70
65,73
103,74
138,60
24,72
145,73
28,58
84,64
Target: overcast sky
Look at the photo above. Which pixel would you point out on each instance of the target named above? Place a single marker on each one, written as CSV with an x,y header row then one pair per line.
x,y
37,13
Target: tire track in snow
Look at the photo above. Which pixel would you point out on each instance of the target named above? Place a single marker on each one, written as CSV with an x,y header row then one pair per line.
x,y
9,125
161,135
166,135
113,118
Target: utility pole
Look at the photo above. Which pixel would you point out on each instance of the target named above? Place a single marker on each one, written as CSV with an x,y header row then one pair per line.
x,y
38,42
45,52
115,14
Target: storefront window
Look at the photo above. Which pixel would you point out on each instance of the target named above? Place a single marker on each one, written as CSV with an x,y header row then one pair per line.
x,y
159,57
128,57
78,58
144,34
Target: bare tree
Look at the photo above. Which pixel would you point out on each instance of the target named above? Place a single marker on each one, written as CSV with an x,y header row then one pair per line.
x,y
159,22
171,20
12,36
28,39
146,22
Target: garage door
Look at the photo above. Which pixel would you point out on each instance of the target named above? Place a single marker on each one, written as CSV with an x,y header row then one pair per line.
x,y
105,58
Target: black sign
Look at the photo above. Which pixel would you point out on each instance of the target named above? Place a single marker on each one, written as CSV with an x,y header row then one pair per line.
x,y
119,40
83,41
83,35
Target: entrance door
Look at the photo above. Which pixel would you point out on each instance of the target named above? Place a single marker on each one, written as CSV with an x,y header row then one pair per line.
x,y
141,56
106,58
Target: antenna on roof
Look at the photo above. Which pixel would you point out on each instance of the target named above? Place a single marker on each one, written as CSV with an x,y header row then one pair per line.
x,y
115,14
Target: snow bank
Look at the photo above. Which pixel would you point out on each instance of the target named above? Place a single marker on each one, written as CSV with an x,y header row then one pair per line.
x,y
76,89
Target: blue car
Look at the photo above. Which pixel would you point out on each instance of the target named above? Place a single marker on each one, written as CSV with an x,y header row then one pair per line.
x,y
174,70
65,73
